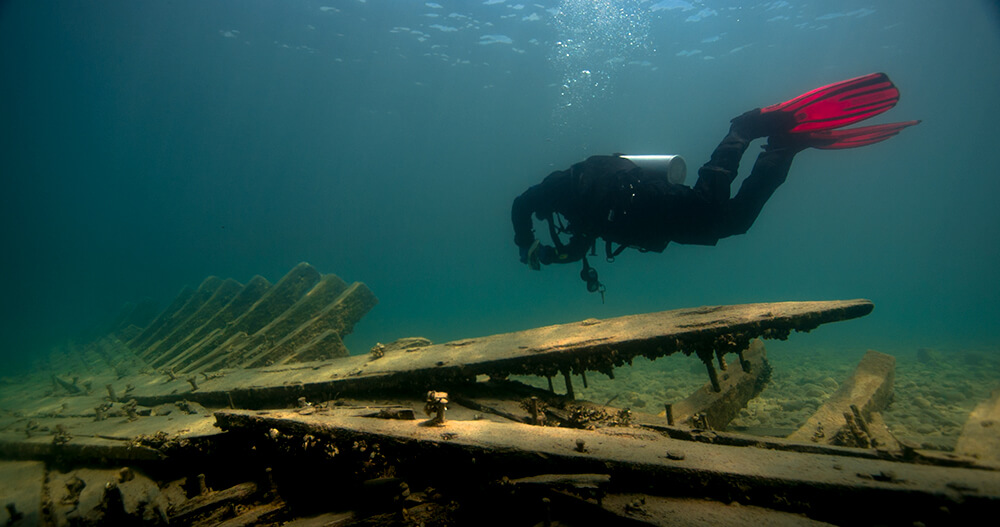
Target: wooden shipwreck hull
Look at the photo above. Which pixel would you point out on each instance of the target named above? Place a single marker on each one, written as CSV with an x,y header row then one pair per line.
x,y
239,405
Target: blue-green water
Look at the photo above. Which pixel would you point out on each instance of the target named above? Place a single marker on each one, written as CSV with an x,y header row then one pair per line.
x,y
147,145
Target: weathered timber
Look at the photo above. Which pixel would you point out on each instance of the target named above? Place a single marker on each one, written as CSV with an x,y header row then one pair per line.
x,y
738,387
134,314
213,500
80,450
597,345
326,345
223,324
200,341
278,299
171,344
981,434
21,485
580,486
327,290
308,342
86,496
139,342
271,305
882,438
641,509
266,514
869,389
646,462
83,438
201,295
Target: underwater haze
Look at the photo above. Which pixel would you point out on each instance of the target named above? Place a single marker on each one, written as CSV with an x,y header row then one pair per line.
x,y
149,144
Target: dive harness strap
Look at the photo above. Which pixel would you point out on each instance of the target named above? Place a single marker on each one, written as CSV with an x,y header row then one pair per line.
x,y
588,274
611,254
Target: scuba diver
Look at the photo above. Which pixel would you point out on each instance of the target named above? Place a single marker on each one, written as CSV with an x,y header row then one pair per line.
x,y
641,201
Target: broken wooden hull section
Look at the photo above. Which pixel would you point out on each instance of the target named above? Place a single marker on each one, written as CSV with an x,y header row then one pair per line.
x,y
239,405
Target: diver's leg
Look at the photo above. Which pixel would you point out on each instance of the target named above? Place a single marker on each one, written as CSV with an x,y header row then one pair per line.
x,y
711,214
717,175
769,172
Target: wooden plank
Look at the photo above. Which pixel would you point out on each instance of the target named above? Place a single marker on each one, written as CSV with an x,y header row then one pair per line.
x,y
87,439
172,344
981,434
737,387
339,316
201,341
596,345
278,298
327,290
326,345
644,461
21,484
139,342
220,351
687,512
201,295
869,389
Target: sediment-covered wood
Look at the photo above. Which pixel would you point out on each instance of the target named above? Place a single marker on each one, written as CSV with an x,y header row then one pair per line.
x,y
200,296
272,304
170,345
738,387
272,335
138,343
200,342
647,462
868,390
21,484
597,345
981,434
339,317
327,345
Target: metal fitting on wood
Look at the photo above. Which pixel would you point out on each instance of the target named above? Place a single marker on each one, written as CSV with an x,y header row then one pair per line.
x,y
437,403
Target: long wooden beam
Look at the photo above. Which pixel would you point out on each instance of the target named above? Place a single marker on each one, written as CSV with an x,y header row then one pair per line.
x,y
868,390
596,345
643,461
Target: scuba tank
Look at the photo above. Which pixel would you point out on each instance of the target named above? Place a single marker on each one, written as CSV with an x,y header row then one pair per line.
x,y
671,167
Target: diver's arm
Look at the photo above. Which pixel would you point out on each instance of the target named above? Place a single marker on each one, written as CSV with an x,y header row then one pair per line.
x,y
520,215
540,199
715,176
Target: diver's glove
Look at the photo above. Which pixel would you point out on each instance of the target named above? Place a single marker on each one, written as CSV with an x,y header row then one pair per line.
x,y
537,254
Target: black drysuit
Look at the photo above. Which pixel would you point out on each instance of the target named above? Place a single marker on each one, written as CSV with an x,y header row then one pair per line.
x,y
610,197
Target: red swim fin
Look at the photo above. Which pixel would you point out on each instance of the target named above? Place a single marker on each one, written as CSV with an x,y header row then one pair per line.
x,y
855,137
839,104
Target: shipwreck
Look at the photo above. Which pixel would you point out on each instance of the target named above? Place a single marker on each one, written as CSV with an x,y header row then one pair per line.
x,y
239,404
